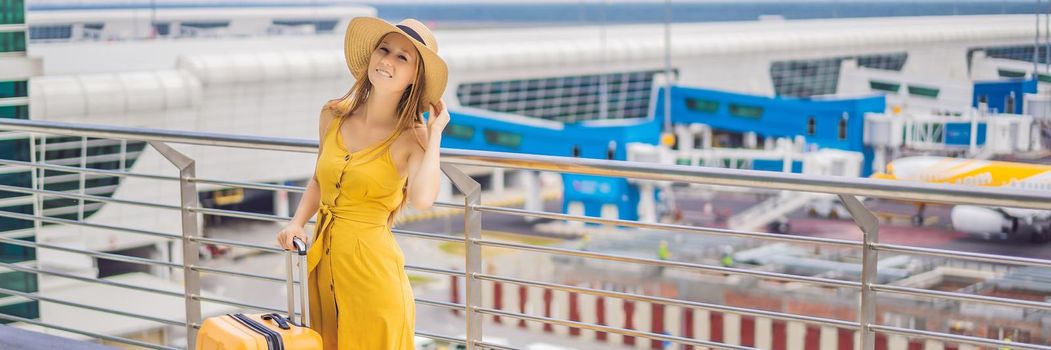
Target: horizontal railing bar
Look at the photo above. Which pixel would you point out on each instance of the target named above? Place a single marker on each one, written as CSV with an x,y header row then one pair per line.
x,y
71,209
252,185
64,168
440,337
238,304
239,214
463,341
86,333
426,235
671,227
167,136
961,297
38,297
225,242
240,274
441,304
77,144
492,346
772,180
15,267
674,302
1000,259
452,205
668,263
63,194
901,190
13,135
280,311
99,158
957,338
608,329
434,270
53,179
101,255
27,217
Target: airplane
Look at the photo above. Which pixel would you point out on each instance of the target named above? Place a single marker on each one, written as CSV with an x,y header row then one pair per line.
x,y
976,220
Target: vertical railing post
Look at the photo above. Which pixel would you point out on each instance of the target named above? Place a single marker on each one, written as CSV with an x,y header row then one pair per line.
x,y
188,202
82,176
870,229
472,222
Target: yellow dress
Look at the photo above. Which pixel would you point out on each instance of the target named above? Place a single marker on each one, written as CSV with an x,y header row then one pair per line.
x,y
360,297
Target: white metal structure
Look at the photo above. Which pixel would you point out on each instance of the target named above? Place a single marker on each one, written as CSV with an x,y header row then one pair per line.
x,y
188,22
1005,134
826,162
275,85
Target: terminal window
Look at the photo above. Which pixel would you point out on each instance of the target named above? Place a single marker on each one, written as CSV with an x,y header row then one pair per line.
x,y
502,138
12,11
13,42
804,78
1016,53
463,132
13,89
565,99
702,105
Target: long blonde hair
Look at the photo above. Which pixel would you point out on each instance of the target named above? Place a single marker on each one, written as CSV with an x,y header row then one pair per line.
x,y
410,113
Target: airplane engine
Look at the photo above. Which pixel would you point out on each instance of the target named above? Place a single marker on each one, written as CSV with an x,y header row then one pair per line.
x,y
981,220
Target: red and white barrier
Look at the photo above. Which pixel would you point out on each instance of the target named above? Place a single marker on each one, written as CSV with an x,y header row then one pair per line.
x,y
728,328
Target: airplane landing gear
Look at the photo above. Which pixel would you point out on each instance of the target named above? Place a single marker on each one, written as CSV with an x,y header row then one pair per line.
x,y
780,226
1041,233
918,219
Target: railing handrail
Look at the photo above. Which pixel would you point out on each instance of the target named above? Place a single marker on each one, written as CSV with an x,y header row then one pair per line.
x,y
846,188
888,189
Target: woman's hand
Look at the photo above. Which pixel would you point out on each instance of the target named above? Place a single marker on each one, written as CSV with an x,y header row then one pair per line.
x,y
284,238
438,119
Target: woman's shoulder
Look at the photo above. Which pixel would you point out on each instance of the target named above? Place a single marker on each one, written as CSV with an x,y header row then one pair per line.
x,y
330,111
336,107
414,137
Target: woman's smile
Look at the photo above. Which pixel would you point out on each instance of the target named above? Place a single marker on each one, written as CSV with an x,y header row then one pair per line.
x,y
384,73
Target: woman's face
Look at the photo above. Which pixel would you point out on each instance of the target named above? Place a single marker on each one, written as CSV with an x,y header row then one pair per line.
x,y
392,66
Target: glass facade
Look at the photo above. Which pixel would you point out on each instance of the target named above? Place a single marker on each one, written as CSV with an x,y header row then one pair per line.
x,y
1017,53
51,32
16,91
12,12
804,78
565,99
12,42
16,149
320,26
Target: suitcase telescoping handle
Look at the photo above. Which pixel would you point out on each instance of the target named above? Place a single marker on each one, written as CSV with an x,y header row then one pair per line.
x,y
300,255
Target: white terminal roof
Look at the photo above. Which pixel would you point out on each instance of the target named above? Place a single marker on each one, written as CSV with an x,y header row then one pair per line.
x,y
155,85
196,14
508,48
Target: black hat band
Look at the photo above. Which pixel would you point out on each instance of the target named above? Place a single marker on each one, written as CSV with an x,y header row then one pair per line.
x,y
411,33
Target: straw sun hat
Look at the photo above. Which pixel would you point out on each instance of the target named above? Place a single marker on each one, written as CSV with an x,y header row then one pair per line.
x,y
364,33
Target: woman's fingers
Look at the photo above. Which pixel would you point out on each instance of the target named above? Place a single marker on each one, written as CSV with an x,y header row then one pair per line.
x,y
282,239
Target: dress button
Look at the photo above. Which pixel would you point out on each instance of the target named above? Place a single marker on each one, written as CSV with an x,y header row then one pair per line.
x,y
337,185
346,158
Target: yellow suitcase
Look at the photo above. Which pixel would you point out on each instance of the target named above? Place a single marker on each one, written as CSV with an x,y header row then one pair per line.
x,y
264,331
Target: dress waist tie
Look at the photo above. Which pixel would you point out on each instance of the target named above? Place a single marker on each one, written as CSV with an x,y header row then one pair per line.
x,y
322,235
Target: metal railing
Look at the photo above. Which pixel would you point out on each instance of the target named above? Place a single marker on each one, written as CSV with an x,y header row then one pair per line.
x,y
847,189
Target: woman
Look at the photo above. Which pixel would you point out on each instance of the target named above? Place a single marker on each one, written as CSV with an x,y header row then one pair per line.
x,y
375,154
